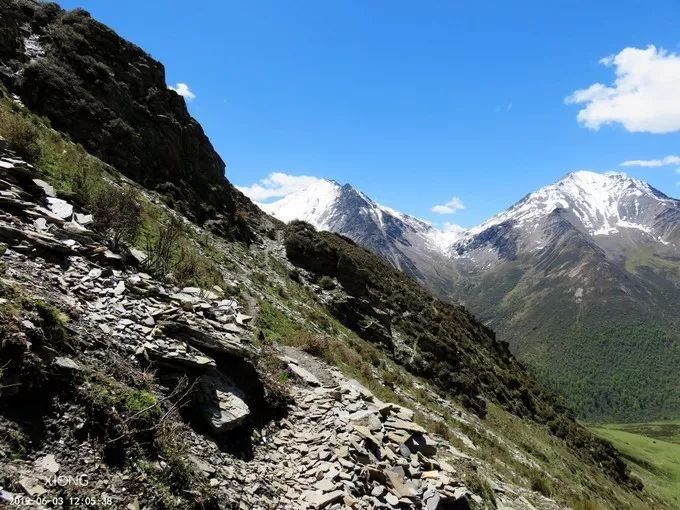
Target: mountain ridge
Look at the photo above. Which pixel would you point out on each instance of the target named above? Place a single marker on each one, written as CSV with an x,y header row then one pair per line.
x,y
589,253
446,240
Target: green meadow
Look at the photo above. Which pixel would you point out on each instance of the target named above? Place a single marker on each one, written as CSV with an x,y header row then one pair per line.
x,y
653,452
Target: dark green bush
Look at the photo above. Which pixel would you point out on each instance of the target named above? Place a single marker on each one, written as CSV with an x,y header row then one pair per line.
x,y
326,283
117,213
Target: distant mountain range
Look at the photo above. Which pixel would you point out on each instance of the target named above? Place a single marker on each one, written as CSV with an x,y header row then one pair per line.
x,y
581,277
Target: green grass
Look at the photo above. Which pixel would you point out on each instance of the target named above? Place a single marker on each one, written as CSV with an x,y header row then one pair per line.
x,y
645,257
80,178
653,452
664,430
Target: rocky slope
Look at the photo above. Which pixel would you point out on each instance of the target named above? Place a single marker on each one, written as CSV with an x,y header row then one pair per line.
x,y
87,330
111,96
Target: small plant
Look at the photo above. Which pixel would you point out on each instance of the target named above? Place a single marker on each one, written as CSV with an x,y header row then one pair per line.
x,y
117,213
389,378
160,250
326,283
481,487
143,406
191,267
167,440
53,322
14,440
540,483
21,135
316,345
172,251
584,504
440,427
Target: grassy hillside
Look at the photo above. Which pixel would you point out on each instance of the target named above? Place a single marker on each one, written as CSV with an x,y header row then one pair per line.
x,y
653,452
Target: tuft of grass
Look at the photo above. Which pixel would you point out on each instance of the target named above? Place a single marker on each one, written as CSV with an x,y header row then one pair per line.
x,y
584,504
481,487
21,134
143,406
54,322
540,483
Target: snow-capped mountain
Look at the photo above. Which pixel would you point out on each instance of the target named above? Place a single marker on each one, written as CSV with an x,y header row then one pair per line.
x,y
410,244
612,209
581,277
602,203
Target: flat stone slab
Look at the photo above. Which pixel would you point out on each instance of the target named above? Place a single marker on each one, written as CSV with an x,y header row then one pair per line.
x,y
221,403
304,374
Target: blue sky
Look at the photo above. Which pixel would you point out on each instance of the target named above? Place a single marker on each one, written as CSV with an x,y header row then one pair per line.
x,y
418,102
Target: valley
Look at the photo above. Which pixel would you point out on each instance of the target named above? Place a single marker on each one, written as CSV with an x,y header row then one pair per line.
x,y
581,278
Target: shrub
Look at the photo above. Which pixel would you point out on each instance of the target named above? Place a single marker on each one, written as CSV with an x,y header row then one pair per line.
x,y
53,322
172,251
326,283
191,267
313,344
21,135
160,250
540,483
117,213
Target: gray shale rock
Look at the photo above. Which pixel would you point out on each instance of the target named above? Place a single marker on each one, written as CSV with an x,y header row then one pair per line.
x,y
221,403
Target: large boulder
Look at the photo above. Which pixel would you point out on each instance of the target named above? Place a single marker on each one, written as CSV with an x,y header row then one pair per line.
x,y
221,403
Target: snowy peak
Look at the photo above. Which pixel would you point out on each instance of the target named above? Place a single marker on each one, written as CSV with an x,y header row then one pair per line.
x,y
598,204
325,204
313,204
410,244
602,206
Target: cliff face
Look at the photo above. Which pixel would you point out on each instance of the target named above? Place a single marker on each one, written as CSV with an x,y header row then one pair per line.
x,y
111,96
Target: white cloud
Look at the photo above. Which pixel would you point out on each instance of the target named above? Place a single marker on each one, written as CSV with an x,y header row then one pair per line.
x,y
499,108
645,96
450,207
653,163
451,227
277,185
183,90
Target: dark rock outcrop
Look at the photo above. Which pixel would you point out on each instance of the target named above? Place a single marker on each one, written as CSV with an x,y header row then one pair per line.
x,y
111,96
